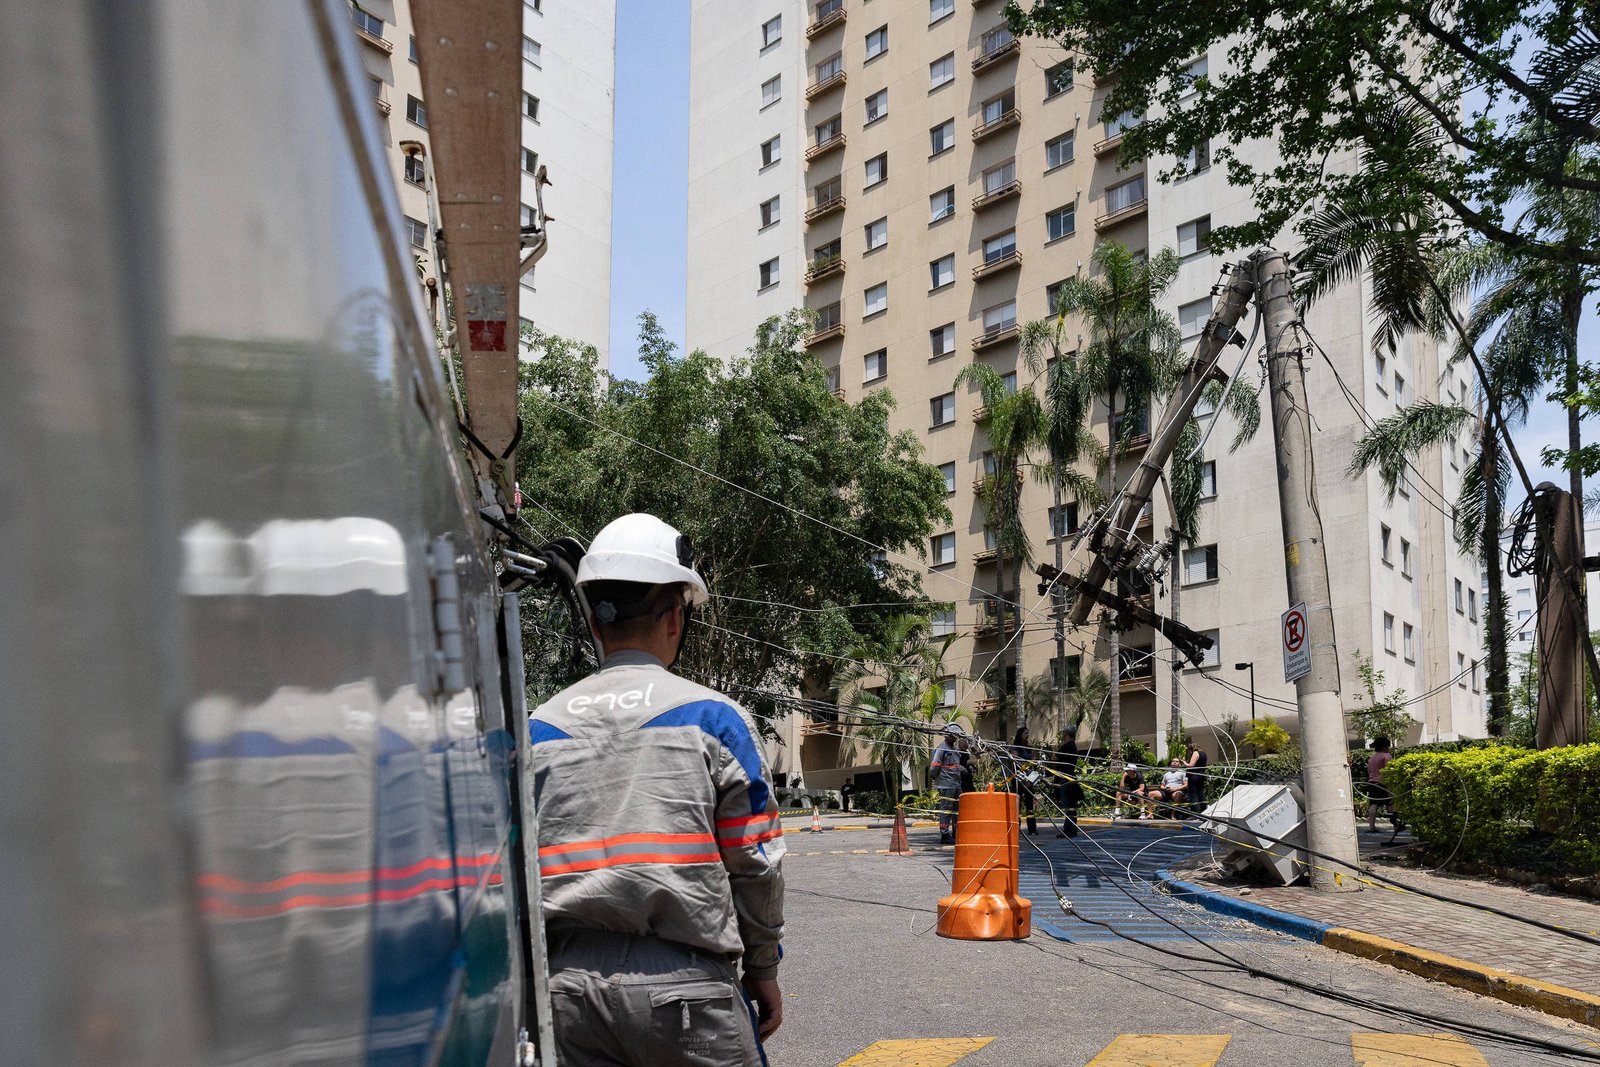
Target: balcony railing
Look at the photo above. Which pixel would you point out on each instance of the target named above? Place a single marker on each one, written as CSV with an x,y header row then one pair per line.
x,y
814,729
824,267
983,705
997,194
991,624
374,40
825,333
819,26
985,555
999,264
822,148
825,208
994,126
1122,214
994,337
817,88
383,105
839,393
995,54
1107,146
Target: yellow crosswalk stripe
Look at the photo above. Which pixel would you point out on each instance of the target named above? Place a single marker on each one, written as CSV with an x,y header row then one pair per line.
x,y
916,1052
1414,1050
1162,1050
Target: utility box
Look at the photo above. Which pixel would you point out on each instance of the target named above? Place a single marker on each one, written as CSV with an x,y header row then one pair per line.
x,y
1256,815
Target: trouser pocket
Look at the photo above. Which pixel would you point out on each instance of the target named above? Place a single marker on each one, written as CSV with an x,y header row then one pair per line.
x,y
700,1024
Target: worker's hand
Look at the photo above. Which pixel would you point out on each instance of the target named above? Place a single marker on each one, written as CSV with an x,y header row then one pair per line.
x,y
768,1001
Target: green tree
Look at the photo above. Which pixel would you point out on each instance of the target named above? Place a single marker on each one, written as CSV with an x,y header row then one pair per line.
x,y
1384,714
1013,420
1087,699
1130,357
785,491
898,678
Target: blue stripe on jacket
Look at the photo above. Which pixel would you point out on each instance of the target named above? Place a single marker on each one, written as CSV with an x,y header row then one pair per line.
x,y
725,724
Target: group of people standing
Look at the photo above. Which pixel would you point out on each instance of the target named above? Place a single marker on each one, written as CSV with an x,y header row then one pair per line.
x,y
1029,772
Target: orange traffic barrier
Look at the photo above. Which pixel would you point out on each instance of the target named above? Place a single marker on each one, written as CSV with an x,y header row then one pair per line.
x,y
898,845
816,819
983,904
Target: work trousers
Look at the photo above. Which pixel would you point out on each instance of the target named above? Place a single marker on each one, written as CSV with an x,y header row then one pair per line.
x,y
949,804
620,1000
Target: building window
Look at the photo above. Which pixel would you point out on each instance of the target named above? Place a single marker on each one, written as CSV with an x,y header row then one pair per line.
x,y
527,216
1064,671
772,31
1061,222
1461,598
1399,390
877,234
417,230
769,212
942,272
1200,564
828,129
1064,520
1204,406
1052,297
877,43
942,137
1058,151
412,48
944,549
942,205
1472,605
366,21
829,67
1189,76
876,299
829,190
530,106
1000,317
942,340
1380,367
941,71
771,91
877,170
824,254
942,623
1117,125
1198,159
1405,557
1475,675
1192,318
1408,637
875,365
531,51
1126,195
530,161
999,176
1000,246
1058,79
1403,486
995,108
877,106
947,693
536,6
1208,480
1194,238
943,409
771,151
1461,670
1388,633
940,9
415,170
833,380
769,273
948,472
1384,537
416,112
1211,657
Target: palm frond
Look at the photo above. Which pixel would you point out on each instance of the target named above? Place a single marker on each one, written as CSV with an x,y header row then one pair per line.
x,y
1395,439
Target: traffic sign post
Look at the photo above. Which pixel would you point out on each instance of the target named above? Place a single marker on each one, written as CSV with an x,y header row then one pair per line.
x,y
1296,643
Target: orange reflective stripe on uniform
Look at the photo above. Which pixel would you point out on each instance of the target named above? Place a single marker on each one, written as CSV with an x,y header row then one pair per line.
x,y
749,830
626,849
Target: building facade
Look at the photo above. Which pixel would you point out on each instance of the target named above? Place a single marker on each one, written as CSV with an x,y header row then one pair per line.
x,y
567,105
951,176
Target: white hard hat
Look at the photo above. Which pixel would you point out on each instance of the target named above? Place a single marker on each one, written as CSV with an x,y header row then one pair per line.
x,y
642,548
954,728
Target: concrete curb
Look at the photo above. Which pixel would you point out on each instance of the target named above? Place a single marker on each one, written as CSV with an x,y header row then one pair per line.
x,y
1512,988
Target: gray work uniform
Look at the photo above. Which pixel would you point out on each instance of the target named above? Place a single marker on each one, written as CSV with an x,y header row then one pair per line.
x,y
660,860
946,770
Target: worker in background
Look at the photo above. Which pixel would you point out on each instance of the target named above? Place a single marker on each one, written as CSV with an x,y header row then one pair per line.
x,y
945,770
846,791
660,851
1027,775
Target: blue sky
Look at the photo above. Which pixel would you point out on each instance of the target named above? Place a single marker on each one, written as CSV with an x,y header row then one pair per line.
x,y
650,174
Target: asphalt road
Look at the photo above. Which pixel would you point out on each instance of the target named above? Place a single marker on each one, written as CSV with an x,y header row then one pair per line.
x,y
863,964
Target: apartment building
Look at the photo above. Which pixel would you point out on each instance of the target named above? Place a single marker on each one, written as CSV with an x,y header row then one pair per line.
x,y
1522,607
952,176
567,104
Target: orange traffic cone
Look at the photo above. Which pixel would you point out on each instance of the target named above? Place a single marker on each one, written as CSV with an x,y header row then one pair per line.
x,y
983,904
816,819
898,845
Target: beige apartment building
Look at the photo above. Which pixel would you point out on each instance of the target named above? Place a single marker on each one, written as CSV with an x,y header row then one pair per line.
x,y
951,177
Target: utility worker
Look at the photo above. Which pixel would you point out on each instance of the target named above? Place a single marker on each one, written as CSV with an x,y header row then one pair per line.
x,y
945,769
660,851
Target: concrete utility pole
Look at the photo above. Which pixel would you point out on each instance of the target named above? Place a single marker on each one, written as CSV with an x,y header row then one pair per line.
x,y
1330,810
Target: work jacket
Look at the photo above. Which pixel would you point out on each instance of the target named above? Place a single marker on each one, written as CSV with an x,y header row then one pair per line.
x,y
655,814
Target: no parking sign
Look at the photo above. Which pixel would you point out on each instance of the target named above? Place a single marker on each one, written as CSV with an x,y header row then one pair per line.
x,y
1296,643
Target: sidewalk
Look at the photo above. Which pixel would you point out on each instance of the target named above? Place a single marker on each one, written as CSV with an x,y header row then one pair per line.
x,y
1464,946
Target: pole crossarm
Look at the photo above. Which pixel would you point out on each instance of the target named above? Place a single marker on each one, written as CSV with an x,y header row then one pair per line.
x,y
1190,642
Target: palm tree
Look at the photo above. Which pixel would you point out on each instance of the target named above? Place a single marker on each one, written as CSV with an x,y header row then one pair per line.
x,y
1132,355
1087,701
897,679
1013,421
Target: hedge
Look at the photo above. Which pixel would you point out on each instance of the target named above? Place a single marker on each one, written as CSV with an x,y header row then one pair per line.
x,y
1499,803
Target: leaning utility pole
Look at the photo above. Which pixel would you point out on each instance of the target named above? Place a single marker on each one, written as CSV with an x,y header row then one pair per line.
x,y
1563,711
1330,810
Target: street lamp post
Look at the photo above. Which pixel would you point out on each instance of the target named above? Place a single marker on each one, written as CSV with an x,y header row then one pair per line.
x,y
1251,667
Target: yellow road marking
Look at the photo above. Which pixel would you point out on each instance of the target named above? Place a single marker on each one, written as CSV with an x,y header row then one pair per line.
x,y
1162,1050
916,1052
1414,1050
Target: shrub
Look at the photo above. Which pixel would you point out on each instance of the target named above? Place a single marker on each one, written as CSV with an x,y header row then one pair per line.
x,y
872,800
1267,736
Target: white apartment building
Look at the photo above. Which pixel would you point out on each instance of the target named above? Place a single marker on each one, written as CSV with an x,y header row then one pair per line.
x,y
567,105
1522,606
948,177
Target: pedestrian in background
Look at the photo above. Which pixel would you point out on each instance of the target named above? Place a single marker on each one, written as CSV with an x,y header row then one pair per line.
x,y
846,791
1069,791
1377,792
1196,765
946,769
1027,776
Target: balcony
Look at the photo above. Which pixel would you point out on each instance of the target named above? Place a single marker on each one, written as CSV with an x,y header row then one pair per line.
x,y
1137,683
826,22
994,196
839,393
1121,215
984,705
374,40
825,208
983,556
816,89
986,130
824,267
991,625
382,105
980,413
1107,146
814,729
990,56
825,333
994,337
822,148
998,265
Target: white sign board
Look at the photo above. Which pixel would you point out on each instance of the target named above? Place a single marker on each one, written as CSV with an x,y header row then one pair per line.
x,y
1296,643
